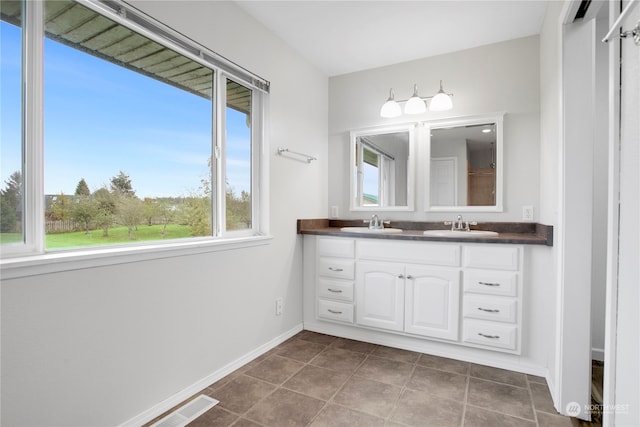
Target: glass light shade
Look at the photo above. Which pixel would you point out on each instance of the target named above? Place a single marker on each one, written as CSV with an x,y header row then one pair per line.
x,y
415,104
390,109
441,101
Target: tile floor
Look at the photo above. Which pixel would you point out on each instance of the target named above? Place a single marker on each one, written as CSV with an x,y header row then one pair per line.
x,y
319,380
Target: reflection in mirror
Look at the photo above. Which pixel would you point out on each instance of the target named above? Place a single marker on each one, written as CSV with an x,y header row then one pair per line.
x,y
465,166
380,168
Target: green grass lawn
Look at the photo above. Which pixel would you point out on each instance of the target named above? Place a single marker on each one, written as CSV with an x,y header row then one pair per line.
x,y
116,235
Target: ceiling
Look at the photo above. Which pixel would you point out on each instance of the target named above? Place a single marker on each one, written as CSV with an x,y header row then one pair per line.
x,y
341,37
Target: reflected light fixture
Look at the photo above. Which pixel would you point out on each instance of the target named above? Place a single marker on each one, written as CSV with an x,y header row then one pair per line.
x,y
441,101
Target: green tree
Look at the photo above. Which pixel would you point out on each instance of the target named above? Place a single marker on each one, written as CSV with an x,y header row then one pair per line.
x,y
84,211
11,203
82,189
107,205
121,184
60,209
151,210
238,210
130,213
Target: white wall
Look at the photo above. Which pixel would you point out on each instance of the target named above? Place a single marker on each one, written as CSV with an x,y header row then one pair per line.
x,y
501,77
100,346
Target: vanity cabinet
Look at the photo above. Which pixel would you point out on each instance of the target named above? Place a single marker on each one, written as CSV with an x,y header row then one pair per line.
x,y
468,294
492,302
336,272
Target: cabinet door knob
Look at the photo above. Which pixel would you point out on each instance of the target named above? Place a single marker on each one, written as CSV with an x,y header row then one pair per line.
x,y
400,276
410,277
488,284
335,269
489,310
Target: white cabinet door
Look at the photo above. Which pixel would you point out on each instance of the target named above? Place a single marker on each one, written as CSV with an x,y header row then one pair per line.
x,y
432,302
380,295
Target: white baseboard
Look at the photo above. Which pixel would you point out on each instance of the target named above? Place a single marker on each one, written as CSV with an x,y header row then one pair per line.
x,y
201,384
597,354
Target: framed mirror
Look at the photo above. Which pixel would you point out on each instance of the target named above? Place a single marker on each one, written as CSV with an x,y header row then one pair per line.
x,y
381,168
465,167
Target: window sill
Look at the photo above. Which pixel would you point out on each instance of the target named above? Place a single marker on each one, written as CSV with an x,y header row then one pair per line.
x,y
55,262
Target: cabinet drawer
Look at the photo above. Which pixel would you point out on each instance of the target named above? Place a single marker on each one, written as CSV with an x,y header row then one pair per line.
x,y
334,310
423,253
335,289
490,334
492,257
497,309
491,282
336,267
336,247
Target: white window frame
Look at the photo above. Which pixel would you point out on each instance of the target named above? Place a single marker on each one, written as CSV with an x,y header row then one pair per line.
x,y
31,257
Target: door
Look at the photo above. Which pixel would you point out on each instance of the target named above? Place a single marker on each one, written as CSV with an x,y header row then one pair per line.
x,y
444,184
380,295
432,302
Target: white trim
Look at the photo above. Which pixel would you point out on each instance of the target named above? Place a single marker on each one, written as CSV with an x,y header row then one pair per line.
x,y
203,383
54,262
498,118
611,300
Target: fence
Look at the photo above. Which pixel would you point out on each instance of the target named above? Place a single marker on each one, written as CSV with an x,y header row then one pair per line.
x,y
62,226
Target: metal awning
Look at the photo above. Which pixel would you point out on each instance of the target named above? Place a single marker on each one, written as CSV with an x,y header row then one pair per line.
x,y
81,28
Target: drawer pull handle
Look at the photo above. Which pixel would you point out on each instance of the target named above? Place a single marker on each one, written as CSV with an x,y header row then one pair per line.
x,y
489,310
337,291
410,277
334,311
493,337
488,284
400,276
335,269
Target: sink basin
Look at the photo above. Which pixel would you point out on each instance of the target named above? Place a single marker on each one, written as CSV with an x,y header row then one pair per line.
x,y
371,230
449,233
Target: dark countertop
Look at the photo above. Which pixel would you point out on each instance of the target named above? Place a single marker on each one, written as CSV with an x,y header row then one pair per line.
x,y
522,233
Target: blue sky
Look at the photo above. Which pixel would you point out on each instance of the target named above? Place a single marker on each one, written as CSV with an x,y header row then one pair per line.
x,y
101,118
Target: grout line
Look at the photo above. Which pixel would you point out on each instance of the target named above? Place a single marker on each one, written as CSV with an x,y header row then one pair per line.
x,y
466,398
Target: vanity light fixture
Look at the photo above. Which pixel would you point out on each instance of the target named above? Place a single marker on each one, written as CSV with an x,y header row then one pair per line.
x,y
441,101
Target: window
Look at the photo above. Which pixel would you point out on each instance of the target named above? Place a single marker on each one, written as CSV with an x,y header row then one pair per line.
x,y
11,191
147,136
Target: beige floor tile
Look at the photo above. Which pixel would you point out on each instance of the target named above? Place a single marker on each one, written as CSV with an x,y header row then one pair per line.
x,y
339,360
503,398
368,396
549,420
352,345
214,417
418,408
316,337
477,417
300,350
285,408
339,416
542,400
385,370
499,375
317,382
439,383
396,354
275,369
444,364
242,393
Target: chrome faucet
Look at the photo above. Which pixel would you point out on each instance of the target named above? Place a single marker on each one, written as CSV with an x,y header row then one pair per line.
x,y
375,223
459,224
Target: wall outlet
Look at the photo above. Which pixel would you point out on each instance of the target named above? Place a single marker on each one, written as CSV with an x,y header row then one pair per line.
x,y
527,213
278,306
334,212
